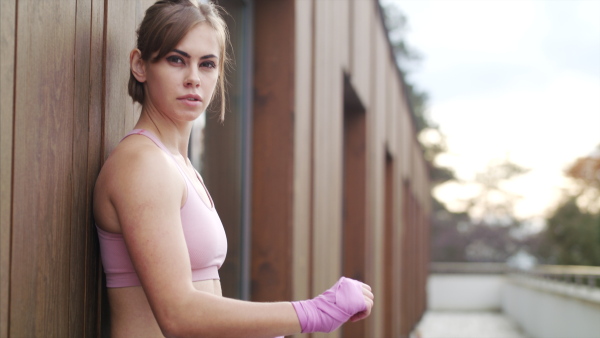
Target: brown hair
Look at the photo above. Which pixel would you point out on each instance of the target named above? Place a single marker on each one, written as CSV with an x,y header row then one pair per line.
x,y
165,24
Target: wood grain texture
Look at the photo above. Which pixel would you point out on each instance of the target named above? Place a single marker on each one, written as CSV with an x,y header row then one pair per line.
x,y
42,195
120,114
80,225
7,58
389,289
94,292
303,116
84,276
223,171
361,62
354,210
327,151
273,135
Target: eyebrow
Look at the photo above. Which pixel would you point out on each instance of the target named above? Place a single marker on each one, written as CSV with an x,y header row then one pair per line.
x,y
188,55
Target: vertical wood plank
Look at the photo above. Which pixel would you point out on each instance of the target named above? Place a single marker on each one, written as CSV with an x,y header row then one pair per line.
x,y
405,286
398,219
375,171
302,150
388,258
355,189
223,147
120,113
362,35
7,58
93,290
42,169
222,175
325,270
273,152
83,253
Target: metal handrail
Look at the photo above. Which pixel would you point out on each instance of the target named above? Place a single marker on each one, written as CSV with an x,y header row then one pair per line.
x,y
468,268
571,274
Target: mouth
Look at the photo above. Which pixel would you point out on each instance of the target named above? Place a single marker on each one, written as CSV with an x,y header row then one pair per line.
x,y
191,98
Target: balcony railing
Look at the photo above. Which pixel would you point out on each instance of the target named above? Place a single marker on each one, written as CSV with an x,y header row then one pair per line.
x,y
570,274
545,301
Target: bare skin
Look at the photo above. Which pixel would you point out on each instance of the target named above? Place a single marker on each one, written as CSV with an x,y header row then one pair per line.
x,y
139,193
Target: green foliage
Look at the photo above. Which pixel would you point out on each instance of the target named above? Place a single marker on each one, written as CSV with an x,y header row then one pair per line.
x,y
572,233
571,237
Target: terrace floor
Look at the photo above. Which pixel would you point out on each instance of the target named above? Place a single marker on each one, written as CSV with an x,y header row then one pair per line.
x,y
466,324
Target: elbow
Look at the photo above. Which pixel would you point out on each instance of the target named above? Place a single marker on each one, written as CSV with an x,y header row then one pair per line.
x,y
178,318
171,326
176,327
170,329
174,331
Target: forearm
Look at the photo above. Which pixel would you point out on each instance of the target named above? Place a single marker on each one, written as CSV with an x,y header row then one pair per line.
x,y
207,315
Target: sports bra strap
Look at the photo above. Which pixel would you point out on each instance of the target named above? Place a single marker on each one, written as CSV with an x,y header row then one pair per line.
x,y
155,139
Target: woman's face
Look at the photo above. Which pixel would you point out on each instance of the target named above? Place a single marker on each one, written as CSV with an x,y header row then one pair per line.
x,y
181,84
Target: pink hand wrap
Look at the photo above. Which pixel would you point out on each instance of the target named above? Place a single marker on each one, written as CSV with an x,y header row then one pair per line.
x,y
332,308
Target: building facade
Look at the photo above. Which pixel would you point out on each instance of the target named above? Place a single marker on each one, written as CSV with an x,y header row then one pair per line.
x,y
316,171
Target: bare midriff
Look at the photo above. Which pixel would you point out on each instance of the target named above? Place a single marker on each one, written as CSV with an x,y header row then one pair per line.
x,y
131,315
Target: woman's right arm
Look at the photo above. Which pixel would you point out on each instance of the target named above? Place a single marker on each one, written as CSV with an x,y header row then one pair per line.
x,y
146,192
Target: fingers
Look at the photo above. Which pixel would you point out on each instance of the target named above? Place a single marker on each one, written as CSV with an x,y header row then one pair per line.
x,y
367,292
368,296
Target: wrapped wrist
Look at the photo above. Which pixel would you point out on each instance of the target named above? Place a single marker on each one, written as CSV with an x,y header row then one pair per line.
x,y
330,310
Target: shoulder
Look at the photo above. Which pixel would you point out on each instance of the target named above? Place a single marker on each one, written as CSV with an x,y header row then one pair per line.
x,y
138,175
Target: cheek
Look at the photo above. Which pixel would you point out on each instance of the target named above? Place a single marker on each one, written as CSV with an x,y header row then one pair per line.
x,y
213,82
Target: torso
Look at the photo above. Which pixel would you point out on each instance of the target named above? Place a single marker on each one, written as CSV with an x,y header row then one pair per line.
x,y
131,315
130,312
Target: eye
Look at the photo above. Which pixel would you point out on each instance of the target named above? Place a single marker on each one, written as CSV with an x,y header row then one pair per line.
x,y
208,64
175,59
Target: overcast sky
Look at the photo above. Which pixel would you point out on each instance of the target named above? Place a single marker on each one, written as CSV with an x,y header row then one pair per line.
x,y
516,78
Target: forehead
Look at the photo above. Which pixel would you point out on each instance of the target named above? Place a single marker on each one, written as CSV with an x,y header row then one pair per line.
x,y
200,39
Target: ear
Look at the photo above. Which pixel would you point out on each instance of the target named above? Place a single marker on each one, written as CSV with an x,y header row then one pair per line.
x,y
137,65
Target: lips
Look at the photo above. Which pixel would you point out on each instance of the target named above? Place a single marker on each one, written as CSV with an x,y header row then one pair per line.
x,y
191,98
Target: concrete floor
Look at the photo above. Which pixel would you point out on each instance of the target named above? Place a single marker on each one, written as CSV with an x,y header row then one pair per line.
x,y
466,324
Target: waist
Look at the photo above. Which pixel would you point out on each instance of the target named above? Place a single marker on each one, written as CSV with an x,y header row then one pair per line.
x,y
124,279
131,314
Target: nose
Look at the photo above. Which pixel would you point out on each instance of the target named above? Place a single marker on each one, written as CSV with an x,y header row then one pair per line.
x,y
193,78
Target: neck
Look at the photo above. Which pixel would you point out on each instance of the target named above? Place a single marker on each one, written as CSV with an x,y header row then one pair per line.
x,y
174,135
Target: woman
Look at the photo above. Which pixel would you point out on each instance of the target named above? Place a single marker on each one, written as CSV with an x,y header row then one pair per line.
x,y
161,239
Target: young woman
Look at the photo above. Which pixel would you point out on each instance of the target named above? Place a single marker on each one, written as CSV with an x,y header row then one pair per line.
x,y
161,239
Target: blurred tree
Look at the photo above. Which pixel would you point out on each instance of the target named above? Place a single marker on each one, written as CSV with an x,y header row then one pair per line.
x,y
586,173
494,204
572,233
571,237
448,241
454,235
486,230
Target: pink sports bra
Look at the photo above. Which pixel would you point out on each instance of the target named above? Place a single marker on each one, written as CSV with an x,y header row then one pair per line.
x,y
202,228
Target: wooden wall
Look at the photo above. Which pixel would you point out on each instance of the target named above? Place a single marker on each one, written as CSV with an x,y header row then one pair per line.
x,y
272,152
64,106
342,46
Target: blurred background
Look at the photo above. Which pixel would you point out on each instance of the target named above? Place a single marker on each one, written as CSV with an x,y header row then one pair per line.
x,y
508,95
